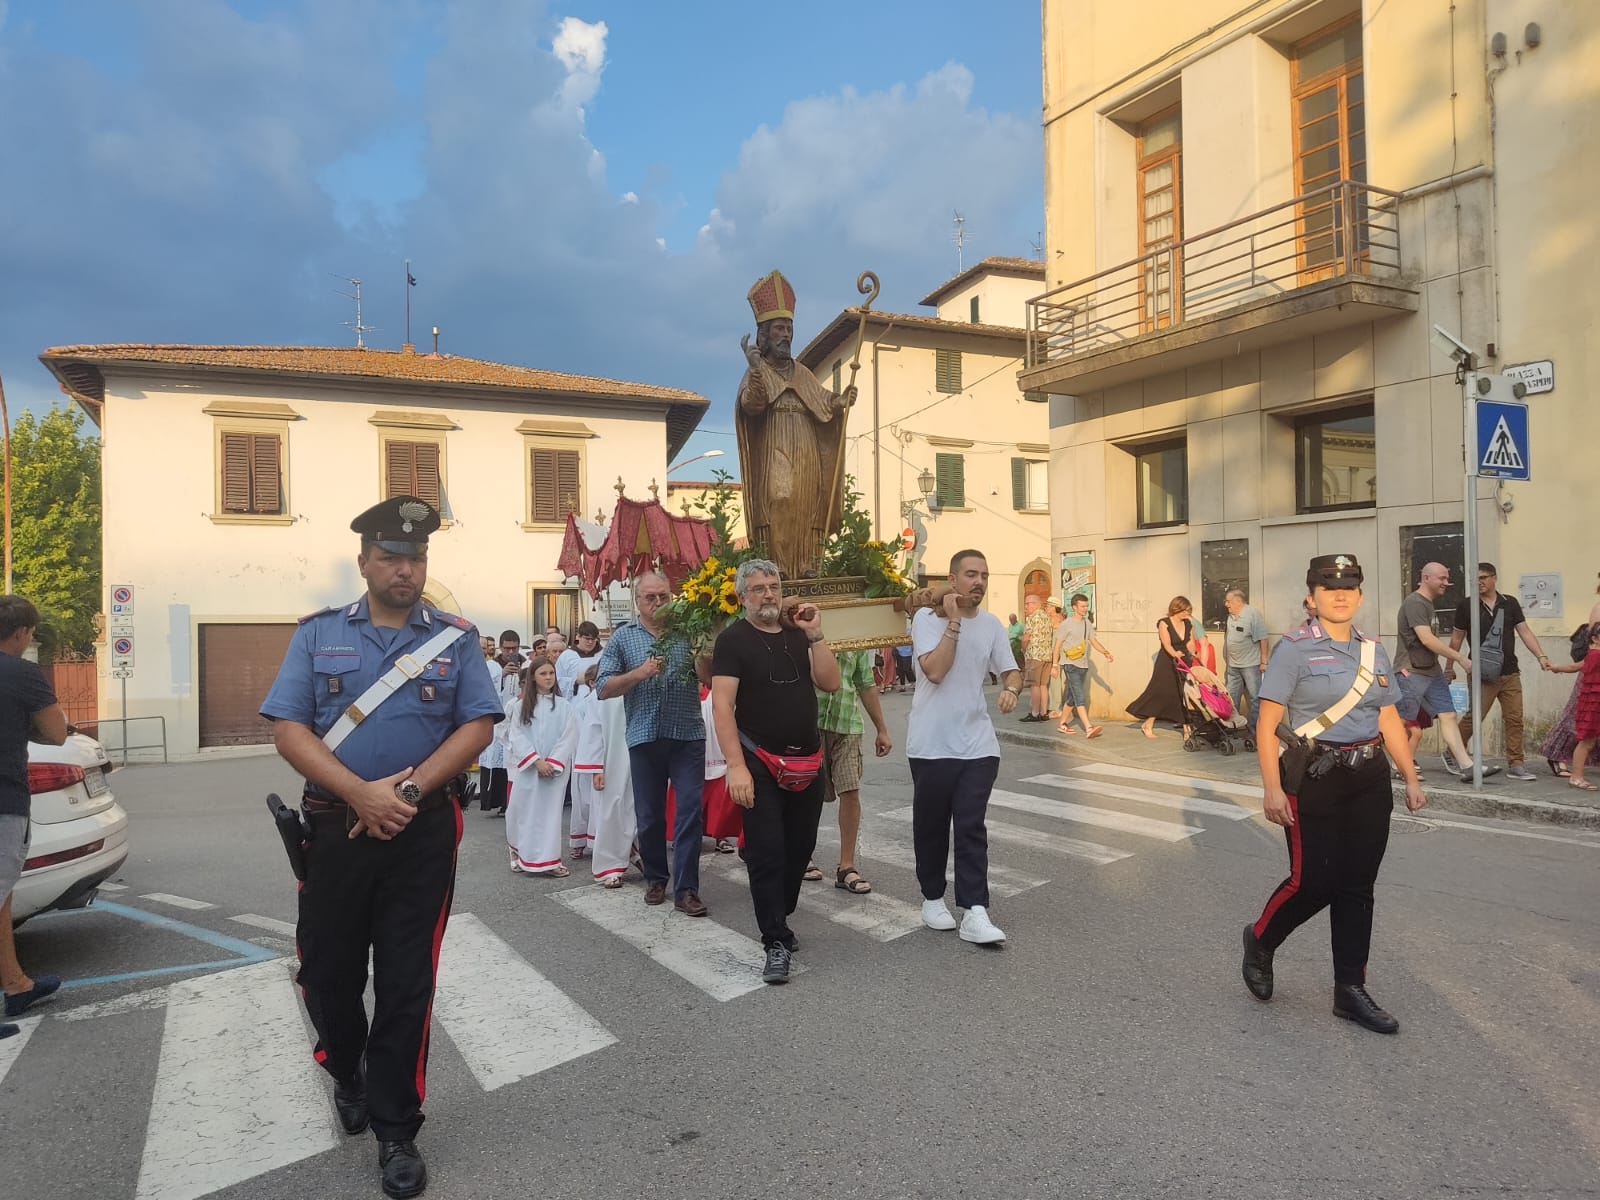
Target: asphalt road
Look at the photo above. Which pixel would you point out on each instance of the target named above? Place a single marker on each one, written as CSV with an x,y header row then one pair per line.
x,y
1109,1050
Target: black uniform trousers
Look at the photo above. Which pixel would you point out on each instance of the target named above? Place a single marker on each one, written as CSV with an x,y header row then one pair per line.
x,y
946,794
780,833
395,897
1336,844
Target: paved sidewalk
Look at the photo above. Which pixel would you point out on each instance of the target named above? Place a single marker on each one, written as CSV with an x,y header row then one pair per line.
x,y
1546,799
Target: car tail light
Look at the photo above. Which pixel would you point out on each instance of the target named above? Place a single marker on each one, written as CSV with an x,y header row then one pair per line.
x,y
62,856
52,777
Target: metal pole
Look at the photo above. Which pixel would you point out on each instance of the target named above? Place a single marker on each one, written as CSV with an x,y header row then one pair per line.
x,y
5,420
1469,568
124,719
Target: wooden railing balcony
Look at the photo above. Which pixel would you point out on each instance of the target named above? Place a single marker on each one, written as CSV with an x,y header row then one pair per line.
x,y
1346,230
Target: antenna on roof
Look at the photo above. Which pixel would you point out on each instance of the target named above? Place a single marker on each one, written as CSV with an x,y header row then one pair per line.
x,y
960,241
1037,246
361,329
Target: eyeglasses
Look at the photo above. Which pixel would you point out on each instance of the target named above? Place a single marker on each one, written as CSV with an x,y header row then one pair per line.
x,y
772,665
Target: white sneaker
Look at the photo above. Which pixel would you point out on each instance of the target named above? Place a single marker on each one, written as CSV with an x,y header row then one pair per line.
x,y
976,927
936,916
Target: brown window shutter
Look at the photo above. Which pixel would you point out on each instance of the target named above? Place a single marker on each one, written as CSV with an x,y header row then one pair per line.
x,y
429,486
236,472
400,468
567,484
266,473
546,486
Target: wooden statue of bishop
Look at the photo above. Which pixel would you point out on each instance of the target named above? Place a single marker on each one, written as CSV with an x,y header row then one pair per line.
x,y
791,439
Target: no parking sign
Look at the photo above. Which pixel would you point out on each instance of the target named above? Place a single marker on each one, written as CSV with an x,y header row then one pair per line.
x,y
122,652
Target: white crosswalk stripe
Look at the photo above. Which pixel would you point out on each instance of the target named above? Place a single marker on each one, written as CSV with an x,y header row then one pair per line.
x,y
1205,787
507,1020
1037,839
177,901
1103,818
270,924
881,917
11,1047
878,845
236,1092
721,963
1196,805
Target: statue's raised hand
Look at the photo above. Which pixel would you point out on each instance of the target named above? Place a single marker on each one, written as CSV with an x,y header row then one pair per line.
x,y
751,354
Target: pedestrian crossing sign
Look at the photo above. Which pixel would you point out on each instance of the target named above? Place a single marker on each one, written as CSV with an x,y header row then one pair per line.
x,y
1502,440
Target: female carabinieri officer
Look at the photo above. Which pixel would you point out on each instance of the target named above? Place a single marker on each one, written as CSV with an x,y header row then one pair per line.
x,y
1335,686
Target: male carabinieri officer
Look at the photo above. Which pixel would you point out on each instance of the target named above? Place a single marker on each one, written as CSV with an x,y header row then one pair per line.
x,y
380,705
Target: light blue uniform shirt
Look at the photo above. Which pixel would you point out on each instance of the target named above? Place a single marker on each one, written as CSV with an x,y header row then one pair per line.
x,y
1309,673
338,653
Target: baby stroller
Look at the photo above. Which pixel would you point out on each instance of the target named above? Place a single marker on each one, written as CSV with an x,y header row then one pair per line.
x,y
1212,720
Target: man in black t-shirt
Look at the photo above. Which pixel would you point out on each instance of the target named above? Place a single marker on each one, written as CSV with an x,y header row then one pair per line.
x,y
764,704
28,709
1498,617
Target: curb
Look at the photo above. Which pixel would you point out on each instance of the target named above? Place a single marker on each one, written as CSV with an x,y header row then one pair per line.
x,y
1465,801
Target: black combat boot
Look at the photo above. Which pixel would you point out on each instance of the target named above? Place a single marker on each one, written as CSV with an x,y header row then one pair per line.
x,y
404,1172
1257,967
1350,1001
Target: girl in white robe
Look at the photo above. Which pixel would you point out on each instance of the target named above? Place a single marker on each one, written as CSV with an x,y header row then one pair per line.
x,y
607,773
583,698
541,738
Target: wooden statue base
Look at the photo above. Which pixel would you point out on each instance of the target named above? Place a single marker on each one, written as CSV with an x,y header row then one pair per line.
x,y
851,621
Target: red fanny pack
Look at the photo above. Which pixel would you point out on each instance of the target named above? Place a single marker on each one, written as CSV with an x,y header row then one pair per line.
x,y
791,772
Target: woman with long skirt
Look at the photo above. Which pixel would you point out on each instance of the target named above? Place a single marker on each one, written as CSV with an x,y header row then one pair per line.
x,y
540,743
1162,698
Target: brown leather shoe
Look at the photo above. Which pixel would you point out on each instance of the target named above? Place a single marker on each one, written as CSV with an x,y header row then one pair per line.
x,y
656,893
690,905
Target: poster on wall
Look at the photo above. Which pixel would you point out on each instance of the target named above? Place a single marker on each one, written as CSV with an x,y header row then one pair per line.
x,y
1077,575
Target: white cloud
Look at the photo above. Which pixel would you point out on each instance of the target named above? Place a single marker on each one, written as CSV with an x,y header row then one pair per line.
x,y
580,48
630,197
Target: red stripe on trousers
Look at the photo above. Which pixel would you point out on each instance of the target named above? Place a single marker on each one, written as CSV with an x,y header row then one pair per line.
x,y
1291,886
438,941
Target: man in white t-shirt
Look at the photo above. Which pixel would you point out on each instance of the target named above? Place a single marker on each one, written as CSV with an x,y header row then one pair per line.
x,y
950,742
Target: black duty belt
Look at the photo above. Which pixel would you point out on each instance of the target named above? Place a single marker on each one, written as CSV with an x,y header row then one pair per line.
x,y
1350,756
320,808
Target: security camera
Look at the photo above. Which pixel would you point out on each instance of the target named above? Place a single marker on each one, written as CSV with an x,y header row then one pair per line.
x,y
1451,346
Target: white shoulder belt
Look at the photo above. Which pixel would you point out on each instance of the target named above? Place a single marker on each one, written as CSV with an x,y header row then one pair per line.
x,y
407,666
1346,703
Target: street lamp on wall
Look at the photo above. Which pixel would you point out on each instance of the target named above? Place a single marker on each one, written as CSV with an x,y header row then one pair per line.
x,y
927,484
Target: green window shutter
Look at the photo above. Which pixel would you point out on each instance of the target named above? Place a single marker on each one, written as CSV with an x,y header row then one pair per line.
x,y
951,483
1019,483
947,371
973,310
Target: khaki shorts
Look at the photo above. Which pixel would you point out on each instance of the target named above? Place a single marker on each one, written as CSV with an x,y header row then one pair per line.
x,y
13,851
1035,673
842,752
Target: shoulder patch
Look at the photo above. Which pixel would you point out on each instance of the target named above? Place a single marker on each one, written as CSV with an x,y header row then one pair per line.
x,y
332,608
451,618
1298,634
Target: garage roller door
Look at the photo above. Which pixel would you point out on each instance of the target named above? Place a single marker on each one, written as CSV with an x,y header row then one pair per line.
x,y
237,666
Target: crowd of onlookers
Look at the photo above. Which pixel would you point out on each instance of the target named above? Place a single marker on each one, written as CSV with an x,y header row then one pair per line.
x,y
1053,642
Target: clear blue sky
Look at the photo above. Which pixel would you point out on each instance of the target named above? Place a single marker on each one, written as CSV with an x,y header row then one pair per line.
x,y
573,197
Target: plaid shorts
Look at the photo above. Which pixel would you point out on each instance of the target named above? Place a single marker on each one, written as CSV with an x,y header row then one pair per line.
x,y
842,752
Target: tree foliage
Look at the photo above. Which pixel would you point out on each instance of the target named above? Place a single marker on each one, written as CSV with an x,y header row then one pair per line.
x,y
55,526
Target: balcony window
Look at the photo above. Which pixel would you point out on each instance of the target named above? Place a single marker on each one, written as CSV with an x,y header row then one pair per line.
x,y
1162,483
1330,141
1336,460
1160,217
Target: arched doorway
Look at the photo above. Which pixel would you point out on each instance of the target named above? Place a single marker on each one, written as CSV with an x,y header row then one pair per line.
x,y
1034,580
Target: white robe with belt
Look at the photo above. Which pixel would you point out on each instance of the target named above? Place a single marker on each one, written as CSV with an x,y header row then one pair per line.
x,y
603,751
533,818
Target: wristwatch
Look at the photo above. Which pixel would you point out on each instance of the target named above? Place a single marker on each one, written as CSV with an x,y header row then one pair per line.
x,y
410,792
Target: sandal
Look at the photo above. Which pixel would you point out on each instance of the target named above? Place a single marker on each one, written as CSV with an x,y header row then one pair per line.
x,y
849,879
611,883
1559,769
556,872
1096,730
579,852
1066,728
1583,785
813,872
726,846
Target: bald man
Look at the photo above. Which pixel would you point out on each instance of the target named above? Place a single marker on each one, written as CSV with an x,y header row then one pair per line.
x,y
1417,652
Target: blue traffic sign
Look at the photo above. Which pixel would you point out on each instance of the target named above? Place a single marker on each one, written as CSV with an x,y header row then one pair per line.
x,y
1502,440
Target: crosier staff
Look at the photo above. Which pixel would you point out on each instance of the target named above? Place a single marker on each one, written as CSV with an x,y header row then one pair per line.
x,y
867,284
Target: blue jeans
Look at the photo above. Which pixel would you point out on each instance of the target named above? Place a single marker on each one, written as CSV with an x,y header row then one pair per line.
x,y
683,762
1076,680
1242,682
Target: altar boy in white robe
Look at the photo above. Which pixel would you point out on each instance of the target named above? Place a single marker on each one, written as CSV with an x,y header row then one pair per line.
x,y
606,771
541,738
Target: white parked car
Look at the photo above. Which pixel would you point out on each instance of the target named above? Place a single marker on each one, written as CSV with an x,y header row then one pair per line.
x,y
79,834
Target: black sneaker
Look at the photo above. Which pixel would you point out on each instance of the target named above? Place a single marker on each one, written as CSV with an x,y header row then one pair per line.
x,y
777,968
